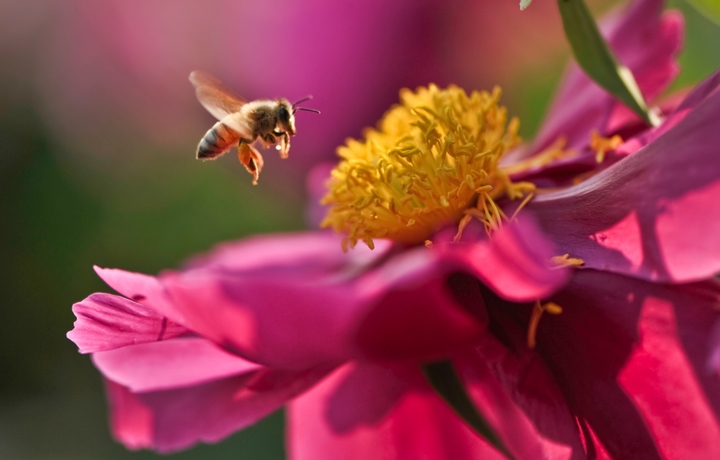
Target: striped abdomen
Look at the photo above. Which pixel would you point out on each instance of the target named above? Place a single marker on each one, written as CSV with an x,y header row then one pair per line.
x,y
218,140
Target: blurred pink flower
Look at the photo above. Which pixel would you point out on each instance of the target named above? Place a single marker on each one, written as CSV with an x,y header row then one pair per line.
x,y
113,74
628,370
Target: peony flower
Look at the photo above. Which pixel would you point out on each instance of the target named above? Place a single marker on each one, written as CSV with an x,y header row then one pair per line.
x,y
621,251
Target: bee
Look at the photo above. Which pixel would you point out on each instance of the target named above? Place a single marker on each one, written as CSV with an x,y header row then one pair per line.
x,y
242,123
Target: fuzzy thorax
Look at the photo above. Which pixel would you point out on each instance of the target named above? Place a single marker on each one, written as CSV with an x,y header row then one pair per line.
x,y
427,163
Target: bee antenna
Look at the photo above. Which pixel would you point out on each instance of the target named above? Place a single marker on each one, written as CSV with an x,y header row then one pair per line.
x,y
307,98
305,109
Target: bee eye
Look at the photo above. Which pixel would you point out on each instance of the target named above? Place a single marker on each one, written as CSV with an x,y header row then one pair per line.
x,y
283,113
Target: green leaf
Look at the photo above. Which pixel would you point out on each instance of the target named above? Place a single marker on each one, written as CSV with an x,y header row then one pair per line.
x,y
446,382
524,4
709,8
596,59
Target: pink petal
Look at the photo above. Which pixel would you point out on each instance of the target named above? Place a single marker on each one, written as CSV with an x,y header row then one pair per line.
x,y
131,421
424,321
644,40
176,363
316,253
105,322
713,363
631,358
503,408
417,318
302,313
289,301
296,301
518,385
364,411
652,215
694,98
327,308
515,263
172,420
288,250
372,414
142,288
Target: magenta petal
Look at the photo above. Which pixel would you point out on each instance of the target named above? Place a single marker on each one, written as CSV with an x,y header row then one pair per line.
x,y
105,322
376,415
652,215
176,419
317,252
515,263
631,357
534,422
364,411
694,98
131,421
176,363
646,42
522,390
169,395
297,301
298,316
141,288
280,319
424,321
713,363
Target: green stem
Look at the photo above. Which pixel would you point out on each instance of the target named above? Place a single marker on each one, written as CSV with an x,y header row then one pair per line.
x,y
446,382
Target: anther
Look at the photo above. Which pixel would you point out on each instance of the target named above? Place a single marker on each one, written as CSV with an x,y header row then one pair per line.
x,y
538,310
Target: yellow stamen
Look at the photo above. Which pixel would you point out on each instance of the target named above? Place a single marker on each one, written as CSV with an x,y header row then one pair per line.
x,y
556,151
461,227
601,145
522,205
566,261
538,310
431,158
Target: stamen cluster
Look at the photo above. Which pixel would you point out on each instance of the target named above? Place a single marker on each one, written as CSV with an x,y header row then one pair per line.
x,y
429,159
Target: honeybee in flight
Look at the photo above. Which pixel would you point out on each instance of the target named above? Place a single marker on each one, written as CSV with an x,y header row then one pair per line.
x,y
242,123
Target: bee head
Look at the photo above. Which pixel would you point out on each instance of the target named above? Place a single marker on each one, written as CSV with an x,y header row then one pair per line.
x,y
286,117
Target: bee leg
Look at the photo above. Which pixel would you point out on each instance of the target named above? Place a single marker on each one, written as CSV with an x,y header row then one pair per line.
x,y
251,159
269,139
284,143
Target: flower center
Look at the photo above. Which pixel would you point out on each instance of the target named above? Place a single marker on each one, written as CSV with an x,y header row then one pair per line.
x,y
430,159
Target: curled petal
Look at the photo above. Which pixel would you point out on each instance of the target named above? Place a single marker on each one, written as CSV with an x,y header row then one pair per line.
x,y
515,263
651,215
142,288
106,321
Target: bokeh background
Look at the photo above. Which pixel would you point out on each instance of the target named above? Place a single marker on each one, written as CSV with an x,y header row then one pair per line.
x,y
98,128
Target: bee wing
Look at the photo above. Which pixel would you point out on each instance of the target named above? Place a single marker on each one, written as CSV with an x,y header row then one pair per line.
x,y
217,98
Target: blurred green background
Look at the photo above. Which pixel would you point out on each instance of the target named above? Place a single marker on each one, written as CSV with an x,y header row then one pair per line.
x,y
87,178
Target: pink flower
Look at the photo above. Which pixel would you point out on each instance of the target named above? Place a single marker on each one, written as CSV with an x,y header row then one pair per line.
x,y
627,370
